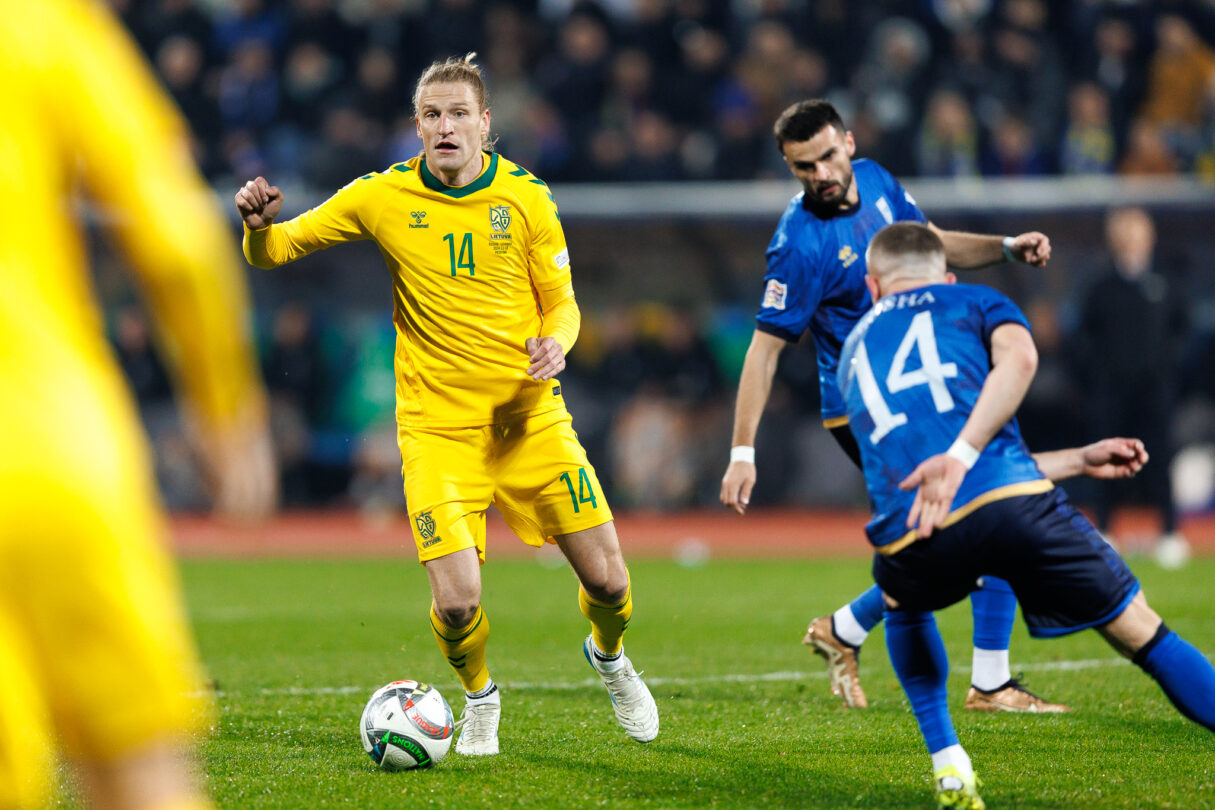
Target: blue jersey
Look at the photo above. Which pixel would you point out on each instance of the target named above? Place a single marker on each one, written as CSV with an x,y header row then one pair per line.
x,y
816,271
910,374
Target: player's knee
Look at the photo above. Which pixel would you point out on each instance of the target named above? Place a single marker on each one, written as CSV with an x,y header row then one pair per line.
x,y
1134,627
607,589
456,611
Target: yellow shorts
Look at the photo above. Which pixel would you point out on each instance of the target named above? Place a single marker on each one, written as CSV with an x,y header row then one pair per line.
x,y
534,470
94,644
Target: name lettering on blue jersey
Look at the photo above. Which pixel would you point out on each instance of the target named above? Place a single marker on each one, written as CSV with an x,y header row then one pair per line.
x,y
903,300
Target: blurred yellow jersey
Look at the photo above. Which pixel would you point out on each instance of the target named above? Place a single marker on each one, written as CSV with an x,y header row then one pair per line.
x,y
86,583
476,270
80,111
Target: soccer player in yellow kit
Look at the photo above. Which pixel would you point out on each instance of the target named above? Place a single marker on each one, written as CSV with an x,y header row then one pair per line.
x,y
96,659
484,312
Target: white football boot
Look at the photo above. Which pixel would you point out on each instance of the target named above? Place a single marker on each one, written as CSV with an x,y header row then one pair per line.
x,y
479,728
631,699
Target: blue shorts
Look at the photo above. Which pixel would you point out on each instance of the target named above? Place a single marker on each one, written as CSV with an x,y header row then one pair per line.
x,y
1064,575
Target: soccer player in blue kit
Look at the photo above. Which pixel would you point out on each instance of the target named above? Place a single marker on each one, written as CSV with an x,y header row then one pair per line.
x,y
931,378
816,267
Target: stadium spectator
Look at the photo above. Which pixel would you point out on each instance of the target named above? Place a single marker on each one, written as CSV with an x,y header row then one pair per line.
x,y
1178,75
892,80
180,61
295,377
166,19
1132,373
1032,79
310,77
248,21
1011,61
347,144
575,77
1148,152
318,22
249,88
1013,150
1117,65
948,142
139,360
1089,139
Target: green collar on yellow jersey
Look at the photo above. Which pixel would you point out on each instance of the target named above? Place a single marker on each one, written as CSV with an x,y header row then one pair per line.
x,y
435,184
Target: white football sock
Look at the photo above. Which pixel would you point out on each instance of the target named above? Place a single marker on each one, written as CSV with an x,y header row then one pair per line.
x,y
489,694
989,669
847,628
607,664
956,756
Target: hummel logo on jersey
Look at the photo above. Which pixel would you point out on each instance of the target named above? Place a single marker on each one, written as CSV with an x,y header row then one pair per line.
x,y
847,256
418,216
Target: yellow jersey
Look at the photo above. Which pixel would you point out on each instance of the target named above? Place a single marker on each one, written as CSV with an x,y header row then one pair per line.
x,y
80,111
476,270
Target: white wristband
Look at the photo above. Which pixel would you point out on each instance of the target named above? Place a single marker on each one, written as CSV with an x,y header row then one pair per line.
x,y
742,453
1009,256
963,452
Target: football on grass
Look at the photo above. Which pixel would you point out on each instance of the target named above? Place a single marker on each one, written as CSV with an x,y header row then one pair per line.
x,y
406,725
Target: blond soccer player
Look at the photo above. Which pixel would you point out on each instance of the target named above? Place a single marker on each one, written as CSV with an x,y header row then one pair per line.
x,y
97,665
485,313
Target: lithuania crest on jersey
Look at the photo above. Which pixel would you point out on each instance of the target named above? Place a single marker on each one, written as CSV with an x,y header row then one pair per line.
x,y
499,218
426,525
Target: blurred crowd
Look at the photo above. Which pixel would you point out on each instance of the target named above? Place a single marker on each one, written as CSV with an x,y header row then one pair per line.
x,y
318,91
1128,350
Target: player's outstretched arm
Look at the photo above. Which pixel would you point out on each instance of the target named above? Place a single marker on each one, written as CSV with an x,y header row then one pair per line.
x,y
754,386
1014,359
258,203
969,251
1115,457
191,279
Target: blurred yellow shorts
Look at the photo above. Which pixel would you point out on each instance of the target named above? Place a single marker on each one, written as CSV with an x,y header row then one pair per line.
x,y
94,645
534,470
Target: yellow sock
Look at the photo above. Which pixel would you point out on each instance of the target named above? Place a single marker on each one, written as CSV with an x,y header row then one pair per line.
x,y
608,622
464,648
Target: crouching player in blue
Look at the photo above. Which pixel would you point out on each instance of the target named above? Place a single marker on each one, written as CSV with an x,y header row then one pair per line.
x,y
931,378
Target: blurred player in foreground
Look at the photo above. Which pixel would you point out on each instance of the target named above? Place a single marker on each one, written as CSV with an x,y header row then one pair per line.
x,y
484,311
956,494
96,659
815,282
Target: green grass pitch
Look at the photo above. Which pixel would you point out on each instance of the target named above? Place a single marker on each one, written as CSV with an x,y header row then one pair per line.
x,y
747,720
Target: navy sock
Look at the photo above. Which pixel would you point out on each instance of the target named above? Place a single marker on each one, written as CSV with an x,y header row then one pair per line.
x,y
919,660
1185,674
868,608
994,607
